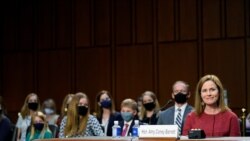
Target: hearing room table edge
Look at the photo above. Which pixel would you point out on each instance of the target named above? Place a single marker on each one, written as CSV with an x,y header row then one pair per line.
x,y
183,138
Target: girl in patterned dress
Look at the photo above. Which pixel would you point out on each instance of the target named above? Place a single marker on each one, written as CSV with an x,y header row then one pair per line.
x,y
79,122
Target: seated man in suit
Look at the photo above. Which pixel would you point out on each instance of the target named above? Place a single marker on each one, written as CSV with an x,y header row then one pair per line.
x,y
177,113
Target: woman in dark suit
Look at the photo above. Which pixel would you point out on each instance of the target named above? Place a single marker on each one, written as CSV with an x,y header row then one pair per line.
x,y
105,111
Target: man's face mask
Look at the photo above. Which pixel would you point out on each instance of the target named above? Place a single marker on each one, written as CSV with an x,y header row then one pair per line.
x,y
180,98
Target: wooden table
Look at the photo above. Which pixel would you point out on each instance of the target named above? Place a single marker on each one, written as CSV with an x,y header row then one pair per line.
x,y
183,138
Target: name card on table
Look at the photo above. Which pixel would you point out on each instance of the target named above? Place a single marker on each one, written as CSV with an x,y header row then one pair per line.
x,y
158,131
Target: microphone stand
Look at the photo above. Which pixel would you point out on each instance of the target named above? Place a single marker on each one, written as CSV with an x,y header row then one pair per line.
x,y
243,118
164,107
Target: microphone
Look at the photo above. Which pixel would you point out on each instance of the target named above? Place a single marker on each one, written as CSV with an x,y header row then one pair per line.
x,y
165,106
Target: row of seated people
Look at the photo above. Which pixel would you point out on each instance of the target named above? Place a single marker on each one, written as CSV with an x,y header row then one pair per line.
x,y
76,120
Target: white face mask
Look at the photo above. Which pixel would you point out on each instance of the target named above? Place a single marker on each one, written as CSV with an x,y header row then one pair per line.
x,y
48,111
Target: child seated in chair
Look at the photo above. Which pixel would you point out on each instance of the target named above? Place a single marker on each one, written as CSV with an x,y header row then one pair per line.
x,y
129,114
39,128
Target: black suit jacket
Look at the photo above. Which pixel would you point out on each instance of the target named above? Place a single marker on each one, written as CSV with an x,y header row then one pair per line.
x,y
112,118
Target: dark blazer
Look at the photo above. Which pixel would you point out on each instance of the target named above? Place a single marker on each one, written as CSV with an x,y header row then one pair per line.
x,y
112,118
152,120
5,128
166,117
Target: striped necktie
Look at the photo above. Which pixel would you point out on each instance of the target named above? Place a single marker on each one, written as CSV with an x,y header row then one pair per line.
x,y
124,131
178,121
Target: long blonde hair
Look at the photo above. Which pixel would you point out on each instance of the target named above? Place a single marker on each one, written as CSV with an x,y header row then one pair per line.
x,y
65,103
45,128
199,105
75,125
157,105
25,109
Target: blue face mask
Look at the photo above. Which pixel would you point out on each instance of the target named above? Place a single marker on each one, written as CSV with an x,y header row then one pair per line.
x,y
106,103
127,116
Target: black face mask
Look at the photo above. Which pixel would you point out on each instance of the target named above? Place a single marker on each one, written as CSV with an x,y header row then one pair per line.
x,y
180,98
149,106
82,110
39,126
1,111
33,106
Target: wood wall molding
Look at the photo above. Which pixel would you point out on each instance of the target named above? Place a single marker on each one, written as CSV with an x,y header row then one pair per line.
x,y
56,47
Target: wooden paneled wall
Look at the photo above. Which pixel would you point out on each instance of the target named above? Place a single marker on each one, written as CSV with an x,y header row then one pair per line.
x,y
56,47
